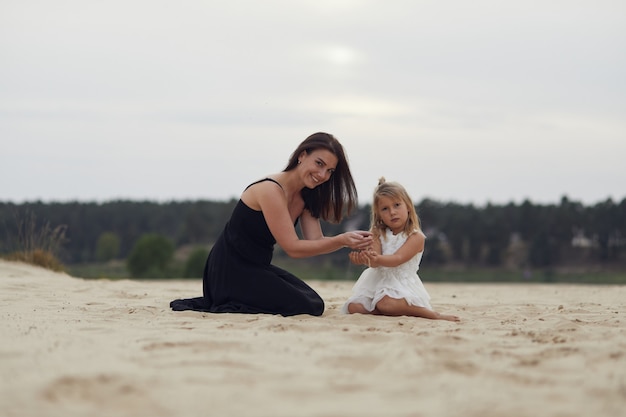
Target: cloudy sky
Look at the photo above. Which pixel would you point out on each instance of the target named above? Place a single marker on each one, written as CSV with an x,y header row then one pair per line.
x,y
466,101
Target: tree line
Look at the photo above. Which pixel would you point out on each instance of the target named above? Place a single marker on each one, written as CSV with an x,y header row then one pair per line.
x,y
515,236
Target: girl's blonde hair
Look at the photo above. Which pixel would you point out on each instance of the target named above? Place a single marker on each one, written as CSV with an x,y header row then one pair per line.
x,y
395,191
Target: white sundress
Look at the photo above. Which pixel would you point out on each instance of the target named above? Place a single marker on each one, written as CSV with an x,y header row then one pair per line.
x,y
397,282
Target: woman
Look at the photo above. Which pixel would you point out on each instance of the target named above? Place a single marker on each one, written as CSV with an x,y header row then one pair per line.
x,y
238,275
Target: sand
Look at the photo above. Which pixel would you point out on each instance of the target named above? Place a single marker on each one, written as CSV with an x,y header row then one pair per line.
x,y
74,347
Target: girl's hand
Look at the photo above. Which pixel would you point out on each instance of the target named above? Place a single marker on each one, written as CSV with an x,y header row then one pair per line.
x,y
371,258
358,258
367,257
358,239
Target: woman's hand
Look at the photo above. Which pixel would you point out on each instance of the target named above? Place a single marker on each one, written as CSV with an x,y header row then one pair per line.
x,y
358,239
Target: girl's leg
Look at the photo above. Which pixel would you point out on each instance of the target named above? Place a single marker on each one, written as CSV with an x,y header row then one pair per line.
x,y
360,309
399,307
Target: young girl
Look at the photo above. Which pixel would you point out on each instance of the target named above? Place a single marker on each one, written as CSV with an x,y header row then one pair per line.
x,y
391,286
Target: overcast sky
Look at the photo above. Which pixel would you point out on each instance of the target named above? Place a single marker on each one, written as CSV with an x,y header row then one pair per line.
x,y
466,101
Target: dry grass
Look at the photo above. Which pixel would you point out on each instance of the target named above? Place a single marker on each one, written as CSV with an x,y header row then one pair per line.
x,y
38,257
37,244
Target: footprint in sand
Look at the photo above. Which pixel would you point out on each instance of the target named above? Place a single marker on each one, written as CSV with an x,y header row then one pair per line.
x,y
117,394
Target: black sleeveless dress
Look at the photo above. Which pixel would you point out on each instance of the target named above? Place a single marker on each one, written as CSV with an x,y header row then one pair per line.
x,y
239,276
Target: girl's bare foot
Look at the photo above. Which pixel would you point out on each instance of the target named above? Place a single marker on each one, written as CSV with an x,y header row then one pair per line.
x,y
449,317
357,308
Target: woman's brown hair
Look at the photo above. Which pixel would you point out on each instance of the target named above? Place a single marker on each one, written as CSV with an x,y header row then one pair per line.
x,y
336,197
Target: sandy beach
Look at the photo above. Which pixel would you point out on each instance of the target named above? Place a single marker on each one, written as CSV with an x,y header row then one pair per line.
x,y
74,347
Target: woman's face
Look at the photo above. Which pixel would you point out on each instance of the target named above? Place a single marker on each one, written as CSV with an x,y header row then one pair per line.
x,y
317,167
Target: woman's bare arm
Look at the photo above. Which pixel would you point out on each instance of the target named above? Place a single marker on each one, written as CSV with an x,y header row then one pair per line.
x,y
270,199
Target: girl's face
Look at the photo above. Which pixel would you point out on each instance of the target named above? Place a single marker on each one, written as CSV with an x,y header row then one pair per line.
x,y
393,212
317,167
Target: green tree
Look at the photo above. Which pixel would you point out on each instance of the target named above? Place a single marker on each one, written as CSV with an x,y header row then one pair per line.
x,y
194,266
107,247
150,256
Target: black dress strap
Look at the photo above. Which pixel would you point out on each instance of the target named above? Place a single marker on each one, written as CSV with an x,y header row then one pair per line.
x,y
281,187
264,179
